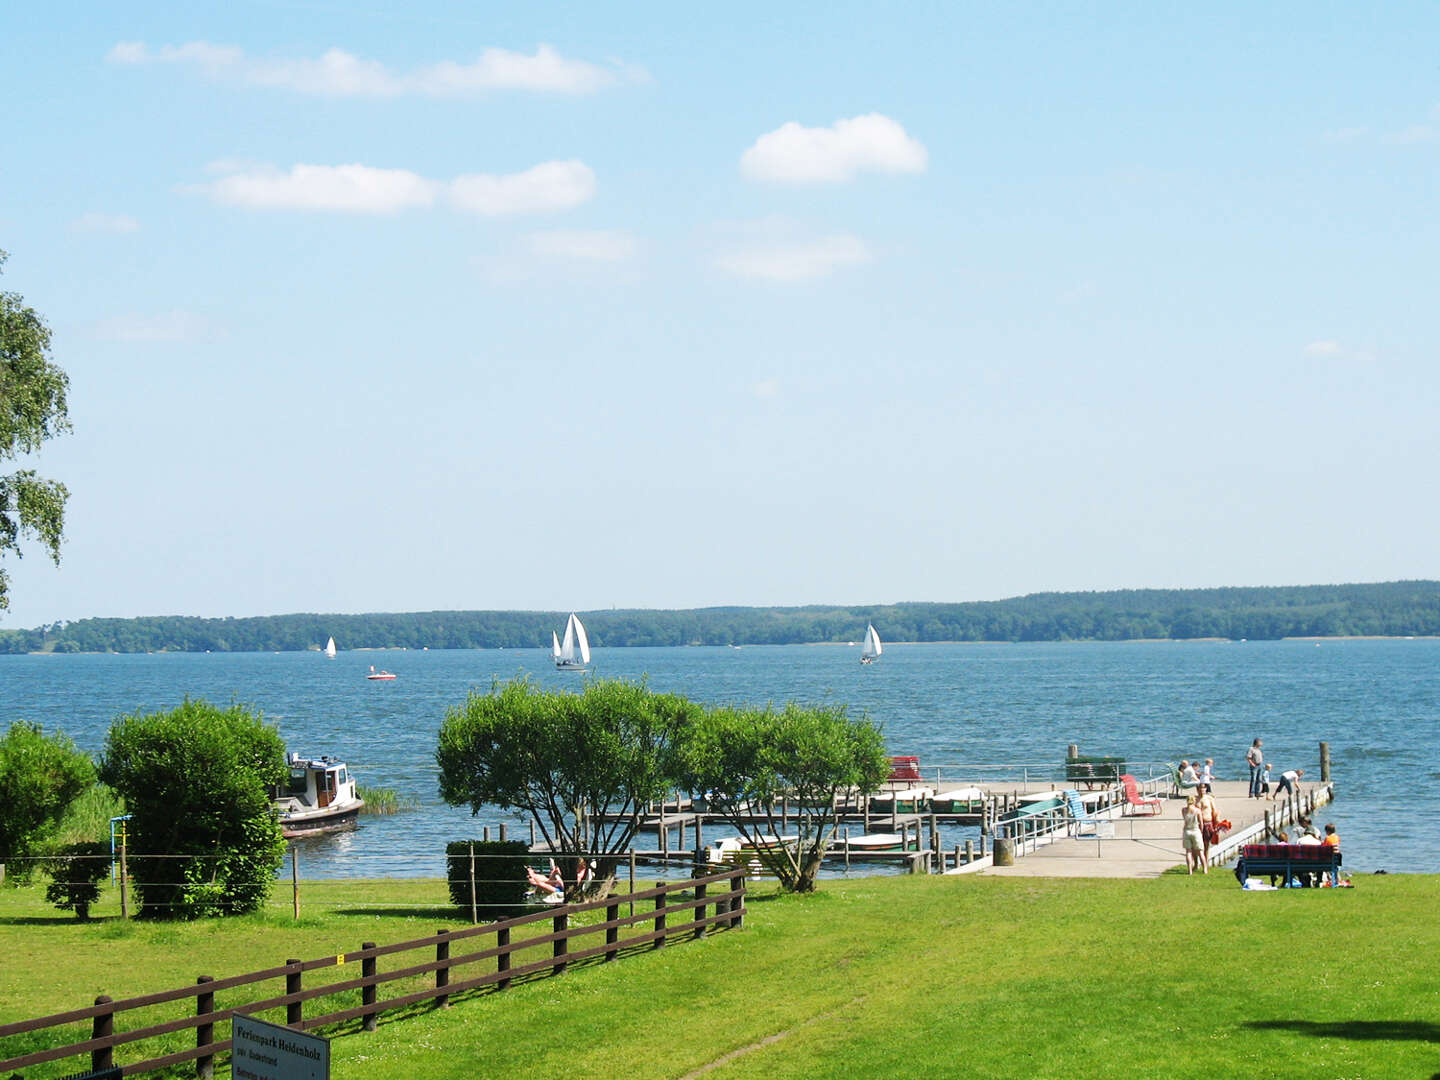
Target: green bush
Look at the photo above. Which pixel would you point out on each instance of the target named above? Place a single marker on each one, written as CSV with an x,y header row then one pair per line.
x,y
76,872
40,775
500,882
203,836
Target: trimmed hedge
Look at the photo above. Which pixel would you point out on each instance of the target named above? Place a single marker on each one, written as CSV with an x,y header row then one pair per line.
x,y
500,881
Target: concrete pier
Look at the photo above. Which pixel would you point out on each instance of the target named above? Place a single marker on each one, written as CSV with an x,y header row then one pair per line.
x,y
1147,845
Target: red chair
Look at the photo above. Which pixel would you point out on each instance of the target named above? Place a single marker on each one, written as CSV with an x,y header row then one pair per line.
x,y
1134,799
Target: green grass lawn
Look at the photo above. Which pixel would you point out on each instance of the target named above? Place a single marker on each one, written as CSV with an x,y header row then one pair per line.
x,y
897,976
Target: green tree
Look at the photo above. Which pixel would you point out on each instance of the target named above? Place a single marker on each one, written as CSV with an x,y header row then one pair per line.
x,y
748,760
582,766
32,410
39,776
203,833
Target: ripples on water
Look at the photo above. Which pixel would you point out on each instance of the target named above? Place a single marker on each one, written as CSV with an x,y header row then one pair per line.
x,y
1375,702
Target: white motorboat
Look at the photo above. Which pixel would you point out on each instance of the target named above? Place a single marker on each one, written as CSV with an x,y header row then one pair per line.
x,y
319,797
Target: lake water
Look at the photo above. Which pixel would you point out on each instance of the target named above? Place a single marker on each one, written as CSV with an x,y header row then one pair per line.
x,y
1375,702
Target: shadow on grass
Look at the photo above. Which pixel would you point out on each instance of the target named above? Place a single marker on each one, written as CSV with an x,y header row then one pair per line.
x,y
56,920
444,914
1412,1030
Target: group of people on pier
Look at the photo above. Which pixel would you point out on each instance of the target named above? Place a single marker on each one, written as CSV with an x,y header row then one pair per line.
x,y
1289,781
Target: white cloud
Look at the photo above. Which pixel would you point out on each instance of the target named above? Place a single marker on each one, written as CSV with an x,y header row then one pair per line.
x,y
168,328
1345,135
364,189
1415,133
337,73
592,246
1323,348
551,185
105,223
766,388
347,188
793,154
796,260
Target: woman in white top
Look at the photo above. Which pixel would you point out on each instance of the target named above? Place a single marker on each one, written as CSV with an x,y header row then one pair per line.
x,y
1190,837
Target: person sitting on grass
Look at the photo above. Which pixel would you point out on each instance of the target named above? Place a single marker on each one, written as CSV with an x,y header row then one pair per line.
x,y
1332,840
549,887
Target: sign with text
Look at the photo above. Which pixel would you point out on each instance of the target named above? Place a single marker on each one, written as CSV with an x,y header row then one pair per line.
x,y
264,1051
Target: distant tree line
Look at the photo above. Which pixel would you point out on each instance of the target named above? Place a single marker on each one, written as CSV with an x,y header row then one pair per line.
x,y
1396,608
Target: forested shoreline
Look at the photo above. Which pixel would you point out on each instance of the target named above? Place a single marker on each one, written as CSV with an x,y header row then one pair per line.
x,y
1388,609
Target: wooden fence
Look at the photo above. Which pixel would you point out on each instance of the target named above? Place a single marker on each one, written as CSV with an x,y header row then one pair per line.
x,y
668,904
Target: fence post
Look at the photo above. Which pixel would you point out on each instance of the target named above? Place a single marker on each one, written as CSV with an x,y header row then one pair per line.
x,y
102,1027
204,1033
660,916
367,992
474,910
442,974
700,907
632,882
294,1011
612,932
295,879
561,923
124,876
502,962
737,906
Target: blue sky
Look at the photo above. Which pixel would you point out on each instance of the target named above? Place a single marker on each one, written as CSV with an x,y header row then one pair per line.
x,y
545,306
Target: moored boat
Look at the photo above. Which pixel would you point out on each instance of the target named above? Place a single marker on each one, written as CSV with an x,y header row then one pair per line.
x,y
319,797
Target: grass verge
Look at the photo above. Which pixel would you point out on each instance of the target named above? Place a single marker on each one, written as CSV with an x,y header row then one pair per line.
x,y
985,977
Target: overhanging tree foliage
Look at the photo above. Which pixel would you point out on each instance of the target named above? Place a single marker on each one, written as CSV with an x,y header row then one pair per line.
x,y
197,780
746,761
39,777
582,766
32,410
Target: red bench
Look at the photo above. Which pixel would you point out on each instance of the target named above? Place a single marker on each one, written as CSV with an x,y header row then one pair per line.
x,y
904,768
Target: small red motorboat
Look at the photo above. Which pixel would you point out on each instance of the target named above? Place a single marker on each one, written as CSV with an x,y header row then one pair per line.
x,y
382,674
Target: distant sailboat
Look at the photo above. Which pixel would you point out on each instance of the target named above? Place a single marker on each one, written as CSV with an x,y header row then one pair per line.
x,y
330,649
574,652
872,650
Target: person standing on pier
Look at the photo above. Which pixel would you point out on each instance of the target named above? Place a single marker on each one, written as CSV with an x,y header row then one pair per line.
x,y
1209,820
1255,758
1190,837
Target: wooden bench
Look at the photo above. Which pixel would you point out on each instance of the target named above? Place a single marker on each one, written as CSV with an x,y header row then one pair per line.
x,y
1288,861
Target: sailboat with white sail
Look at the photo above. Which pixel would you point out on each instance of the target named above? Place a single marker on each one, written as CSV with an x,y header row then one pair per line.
x,y
330,649
872,648
572,654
